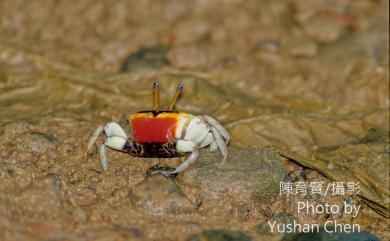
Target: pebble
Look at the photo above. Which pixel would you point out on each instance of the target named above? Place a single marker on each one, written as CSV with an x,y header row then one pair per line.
x,y
249,174
160,195
40,142
146,59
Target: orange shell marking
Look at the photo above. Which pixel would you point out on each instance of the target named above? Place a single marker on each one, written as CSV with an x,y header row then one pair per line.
x,y
149,128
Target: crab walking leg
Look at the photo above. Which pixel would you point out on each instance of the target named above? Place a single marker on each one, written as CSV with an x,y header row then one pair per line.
x,y
219,127
102,157
213,146
207,141
116,139
113,142
92,140
110,129
181,146
220,143
185,146
187,162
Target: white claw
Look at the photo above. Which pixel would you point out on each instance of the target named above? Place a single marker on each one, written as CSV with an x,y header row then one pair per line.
x,y
115,142
92,140
114,129
116,139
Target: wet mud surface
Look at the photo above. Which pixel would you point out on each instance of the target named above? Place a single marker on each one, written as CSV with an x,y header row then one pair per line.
x,y
301,86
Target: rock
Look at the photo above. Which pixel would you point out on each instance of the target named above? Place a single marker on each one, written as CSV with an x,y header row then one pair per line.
x,y
78,215
298,45
250,174
326,236
323,30
160,195
40,142
190,31
115,233
43,196
147,59
219,235
14,129
263,230
240,212
188,57
325,23
343,162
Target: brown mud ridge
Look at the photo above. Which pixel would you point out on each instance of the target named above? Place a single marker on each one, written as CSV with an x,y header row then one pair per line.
x,y
302,87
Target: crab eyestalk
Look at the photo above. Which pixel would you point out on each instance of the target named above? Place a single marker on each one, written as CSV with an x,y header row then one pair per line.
x,y
178,92
156,90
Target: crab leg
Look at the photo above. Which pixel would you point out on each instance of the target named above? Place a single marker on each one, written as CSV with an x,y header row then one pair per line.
x,y
219,127
213,146
172,172
116,139
102,157
208,140
186,146
92,140
156,90
187,162
220,143
181,146
113,142
178,92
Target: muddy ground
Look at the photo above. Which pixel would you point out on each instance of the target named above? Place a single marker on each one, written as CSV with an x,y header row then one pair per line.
x,y
301,86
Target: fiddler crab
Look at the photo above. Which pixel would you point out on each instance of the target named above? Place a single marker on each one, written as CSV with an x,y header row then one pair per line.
x,y
163,134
